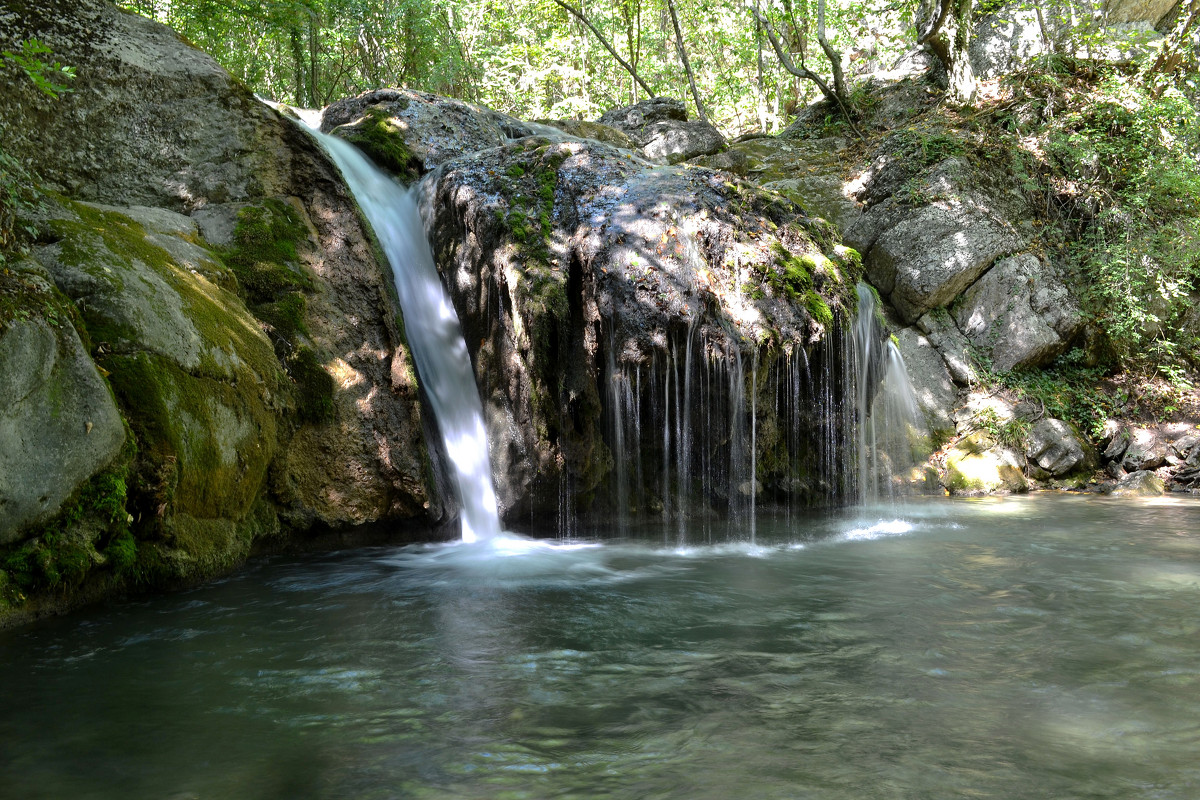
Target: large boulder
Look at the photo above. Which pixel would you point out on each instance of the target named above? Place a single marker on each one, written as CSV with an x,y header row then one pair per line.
x,y
589,284
921,256
59,424
977,464
1056,448
149,120
1019,313
1137,484
194,371
403,129
660,127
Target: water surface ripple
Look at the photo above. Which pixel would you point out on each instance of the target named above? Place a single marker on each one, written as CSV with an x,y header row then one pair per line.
x,y
1039,647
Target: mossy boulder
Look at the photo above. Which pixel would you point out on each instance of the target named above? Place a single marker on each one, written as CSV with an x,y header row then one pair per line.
x,y
977,464
59,424
194,372
572,261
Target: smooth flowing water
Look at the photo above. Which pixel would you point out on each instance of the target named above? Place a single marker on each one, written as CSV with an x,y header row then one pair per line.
x,y
433,332
1033,647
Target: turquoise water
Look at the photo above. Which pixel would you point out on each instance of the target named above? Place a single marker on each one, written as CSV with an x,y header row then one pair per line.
x,y
1034,647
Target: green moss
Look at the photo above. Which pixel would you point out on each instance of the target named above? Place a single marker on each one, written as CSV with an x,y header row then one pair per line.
x,y
818,308
377,135
285,315
205,443
315,386
64,551
264,254
529,191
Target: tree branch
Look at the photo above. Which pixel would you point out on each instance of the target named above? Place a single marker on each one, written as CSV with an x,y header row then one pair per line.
x,y
578,14
938,22
804,72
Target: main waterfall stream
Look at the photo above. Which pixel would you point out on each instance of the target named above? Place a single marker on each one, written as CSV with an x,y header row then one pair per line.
x,y
433,331
1025,647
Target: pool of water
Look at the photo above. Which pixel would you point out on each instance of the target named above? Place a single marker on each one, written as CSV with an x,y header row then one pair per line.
x,y
1033,647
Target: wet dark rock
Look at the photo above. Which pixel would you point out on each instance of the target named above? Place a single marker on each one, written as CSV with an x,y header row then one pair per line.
x,y
562,254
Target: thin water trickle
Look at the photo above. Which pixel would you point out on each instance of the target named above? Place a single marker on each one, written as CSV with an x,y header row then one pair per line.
x,y
890,428
433,331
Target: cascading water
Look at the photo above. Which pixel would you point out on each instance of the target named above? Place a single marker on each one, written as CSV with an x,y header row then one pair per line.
x,y
434,334
890,426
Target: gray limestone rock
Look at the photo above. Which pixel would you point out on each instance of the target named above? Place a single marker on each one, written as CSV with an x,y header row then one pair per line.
x,y
1143,483
654,109
660,127
1019,312
953,346
1056,447
59,424
922,255
930,380
434,129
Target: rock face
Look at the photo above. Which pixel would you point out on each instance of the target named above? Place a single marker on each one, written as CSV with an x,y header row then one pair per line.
x,y
222,280
922,257
1019,313
660,127
931,380
585,280
59,424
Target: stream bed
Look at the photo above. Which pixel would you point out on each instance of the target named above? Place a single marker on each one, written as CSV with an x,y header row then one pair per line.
x,y
1028,647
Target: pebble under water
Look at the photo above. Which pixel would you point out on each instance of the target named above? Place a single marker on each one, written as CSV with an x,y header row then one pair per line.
x,y
1030,647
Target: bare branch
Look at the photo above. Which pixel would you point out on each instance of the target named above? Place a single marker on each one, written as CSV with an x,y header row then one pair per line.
x,y
804,72
578,14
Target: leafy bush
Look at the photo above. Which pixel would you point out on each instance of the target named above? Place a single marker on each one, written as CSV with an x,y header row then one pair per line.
x,y
1127,166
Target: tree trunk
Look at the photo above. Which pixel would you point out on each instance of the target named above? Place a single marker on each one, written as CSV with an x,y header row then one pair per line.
x,y
295,39
1157,75
687,67
948,38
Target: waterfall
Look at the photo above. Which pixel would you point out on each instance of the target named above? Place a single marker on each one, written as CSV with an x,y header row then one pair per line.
x,y
890,428
434,334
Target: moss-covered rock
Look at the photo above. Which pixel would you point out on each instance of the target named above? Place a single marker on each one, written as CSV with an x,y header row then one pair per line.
x,y
977,464
195,375
559,253
59,424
